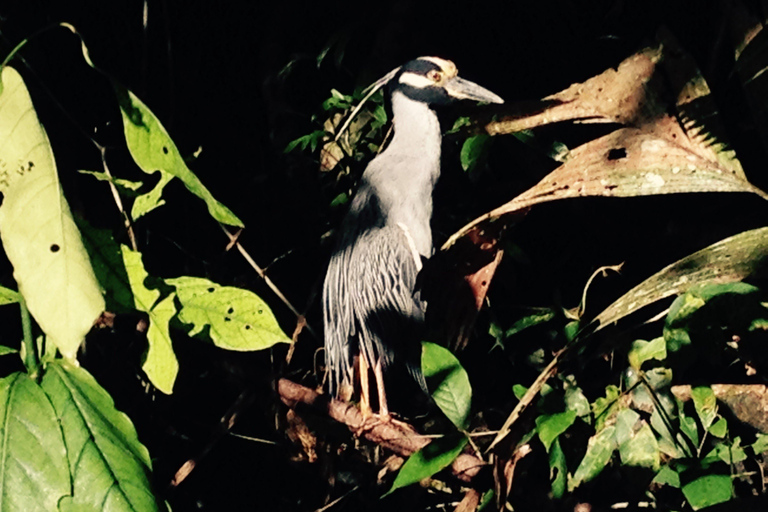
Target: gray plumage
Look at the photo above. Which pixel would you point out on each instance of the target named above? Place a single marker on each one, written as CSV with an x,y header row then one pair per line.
x,y
370,307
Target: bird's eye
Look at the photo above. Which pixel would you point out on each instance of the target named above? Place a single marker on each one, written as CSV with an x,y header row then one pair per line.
x,y
435,75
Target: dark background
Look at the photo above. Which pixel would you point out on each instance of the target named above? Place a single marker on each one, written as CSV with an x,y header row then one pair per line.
x,y
240,80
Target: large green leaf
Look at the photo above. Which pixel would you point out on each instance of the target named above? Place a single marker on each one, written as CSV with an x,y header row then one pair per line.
x,y
599,451
110,468
637,444
448,381
153,150
429,460
550,426
34,473
38,233
234,318
708,490
121,273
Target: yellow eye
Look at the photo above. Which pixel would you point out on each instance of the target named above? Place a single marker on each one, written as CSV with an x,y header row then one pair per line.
x,y
435,75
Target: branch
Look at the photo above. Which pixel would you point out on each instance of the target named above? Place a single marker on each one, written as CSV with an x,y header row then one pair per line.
x,y
396,436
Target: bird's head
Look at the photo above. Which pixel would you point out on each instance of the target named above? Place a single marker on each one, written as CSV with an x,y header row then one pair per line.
x,y
435,81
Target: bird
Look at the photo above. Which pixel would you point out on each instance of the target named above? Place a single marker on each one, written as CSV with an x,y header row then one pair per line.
x,y
373,315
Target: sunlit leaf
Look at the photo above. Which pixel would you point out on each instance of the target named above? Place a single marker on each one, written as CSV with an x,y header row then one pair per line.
x,y
728,260
637,444
642,351
153,150
110,468
39,236
708,490
599,450
8,296
233,318
448,381
437,455
550,426
719,428
706,405
34,473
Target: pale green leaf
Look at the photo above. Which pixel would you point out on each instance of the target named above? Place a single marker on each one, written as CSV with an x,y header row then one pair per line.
x,y
160,363
121,272
429,460
637,444
448,381
38,233
667,476
110,468
153,150
127,185
34,473
8,296
719,429
708,490
642,351
599,450
4,351
706,405
233,318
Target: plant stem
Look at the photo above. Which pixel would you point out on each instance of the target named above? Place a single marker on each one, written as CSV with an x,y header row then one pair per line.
x,y
30,350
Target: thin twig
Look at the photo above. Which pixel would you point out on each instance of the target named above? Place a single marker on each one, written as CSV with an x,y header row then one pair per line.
x,y
263,275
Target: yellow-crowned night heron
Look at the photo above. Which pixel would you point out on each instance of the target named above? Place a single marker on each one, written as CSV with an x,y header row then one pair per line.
x,y
370,307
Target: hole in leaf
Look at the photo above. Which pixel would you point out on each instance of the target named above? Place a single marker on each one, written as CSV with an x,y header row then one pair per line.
x,y
247,327
165,150
231,310
1,198
55,248
227,319
617,154
211,289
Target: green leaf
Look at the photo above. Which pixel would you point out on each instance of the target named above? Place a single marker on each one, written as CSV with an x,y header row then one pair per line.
x,y
448,381
4,351
576,401
8,296
160,363
606,407
761,444
126,185
538,318
437,455
110,468
728,260
599,450
667,476
551,426
38,233
519,390
719,428
558,470
643,351
310,141
708,490
34,474
233,318
473,150
731,453
637,444
153,150
706,405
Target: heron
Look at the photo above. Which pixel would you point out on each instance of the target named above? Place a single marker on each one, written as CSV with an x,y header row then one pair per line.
x,y
373,315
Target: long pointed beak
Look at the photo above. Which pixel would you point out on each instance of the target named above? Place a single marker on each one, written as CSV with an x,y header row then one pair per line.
x,y
465,90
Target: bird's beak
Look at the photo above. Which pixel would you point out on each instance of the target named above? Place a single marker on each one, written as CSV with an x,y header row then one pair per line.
x,y
465,90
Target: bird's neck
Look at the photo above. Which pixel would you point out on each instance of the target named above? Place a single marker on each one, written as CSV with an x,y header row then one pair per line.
x,y
417,129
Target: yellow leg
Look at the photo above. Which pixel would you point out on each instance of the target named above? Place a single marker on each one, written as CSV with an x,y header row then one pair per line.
x,y
365,400
379,375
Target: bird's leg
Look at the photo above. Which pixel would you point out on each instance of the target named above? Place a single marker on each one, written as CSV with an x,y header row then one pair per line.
x,y
365,399
379,375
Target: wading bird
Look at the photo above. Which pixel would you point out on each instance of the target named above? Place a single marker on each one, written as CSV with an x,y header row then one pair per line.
x,y
371,311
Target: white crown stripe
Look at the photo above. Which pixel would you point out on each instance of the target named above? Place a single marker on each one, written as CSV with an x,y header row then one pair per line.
x,y
414,80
